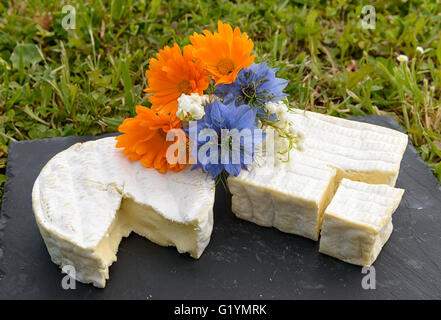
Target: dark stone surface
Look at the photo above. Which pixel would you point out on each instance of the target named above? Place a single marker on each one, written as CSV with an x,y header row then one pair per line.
x,y
242,261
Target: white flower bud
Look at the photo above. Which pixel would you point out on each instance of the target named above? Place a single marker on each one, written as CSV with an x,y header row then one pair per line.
x,y
276,107
191,107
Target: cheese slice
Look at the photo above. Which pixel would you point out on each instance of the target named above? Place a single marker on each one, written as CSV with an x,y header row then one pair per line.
x,y
90,196
291,196
359,151
358,221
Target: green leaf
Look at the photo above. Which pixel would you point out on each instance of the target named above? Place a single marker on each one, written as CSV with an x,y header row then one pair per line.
x,y
28,53
68,130
40,131
154,7
3,178
438,52
113,122
4,65
358,76
31,114
116,10
437,170
432,145
127,81
310,19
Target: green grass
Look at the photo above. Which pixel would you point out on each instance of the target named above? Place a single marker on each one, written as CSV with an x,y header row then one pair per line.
x,y
56,82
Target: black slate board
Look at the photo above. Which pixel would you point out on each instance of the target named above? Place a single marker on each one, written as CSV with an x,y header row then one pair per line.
x,y
242,261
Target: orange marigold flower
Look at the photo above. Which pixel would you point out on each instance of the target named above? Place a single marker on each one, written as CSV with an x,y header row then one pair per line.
x,y
173,73
223,53
144,138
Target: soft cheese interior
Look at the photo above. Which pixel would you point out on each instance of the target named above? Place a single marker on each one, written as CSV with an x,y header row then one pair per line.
x,y
293,196
90,196
358,221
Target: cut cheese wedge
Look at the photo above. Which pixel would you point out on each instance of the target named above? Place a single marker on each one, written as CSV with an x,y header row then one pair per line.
x,y
291,196
89,196
358,221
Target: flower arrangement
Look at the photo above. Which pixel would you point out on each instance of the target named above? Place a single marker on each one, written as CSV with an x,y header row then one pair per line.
x,y
217,97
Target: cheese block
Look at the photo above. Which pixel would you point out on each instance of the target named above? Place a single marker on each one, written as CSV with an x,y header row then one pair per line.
x,y
359,151
90,196
358,221
329,150
291,196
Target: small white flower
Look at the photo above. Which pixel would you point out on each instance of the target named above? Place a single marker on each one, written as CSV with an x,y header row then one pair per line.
x,y
271,107
285,129
281,145
292,130
191,107
276,107
420,49
402,58
280,109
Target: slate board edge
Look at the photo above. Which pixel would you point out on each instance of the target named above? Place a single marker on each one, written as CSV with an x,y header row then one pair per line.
x,y
8,172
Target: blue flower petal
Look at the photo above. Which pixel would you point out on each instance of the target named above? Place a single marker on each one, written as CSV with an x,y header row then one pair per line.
x,y
220,116
233,169
257,81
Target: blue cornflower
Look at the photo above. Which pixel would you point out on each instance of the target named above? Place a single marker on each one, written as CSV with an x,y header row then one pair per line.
x,y
219,149
254,86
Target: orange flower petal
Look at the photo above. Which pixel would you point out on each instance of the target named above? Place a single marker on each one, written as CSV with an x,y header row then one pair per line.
x,y
172,73
144,138
223,53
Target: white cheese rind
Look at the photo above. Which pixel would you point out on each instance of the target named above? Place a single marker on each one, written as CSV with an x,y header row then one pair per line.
x,y
89,196
359,151
356,151
358,221
290,197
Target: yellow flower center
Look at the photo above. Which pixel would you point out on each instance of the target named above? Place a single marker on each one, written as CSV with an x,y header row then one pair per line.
x,y
225,66
185,86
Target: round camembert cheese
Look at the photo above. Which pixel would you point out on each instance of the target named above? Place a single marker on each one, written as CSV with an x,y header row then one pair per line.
x,y
90,196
